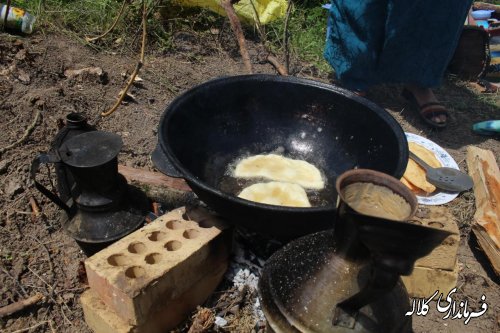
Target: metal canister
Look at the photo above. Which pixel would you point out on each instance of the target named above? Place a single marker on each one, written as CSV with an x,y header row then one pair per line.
x,y
76,123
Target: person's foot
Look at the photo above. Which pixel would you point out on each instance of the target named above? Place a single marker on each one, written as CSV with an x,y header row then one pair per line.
x,y
431,110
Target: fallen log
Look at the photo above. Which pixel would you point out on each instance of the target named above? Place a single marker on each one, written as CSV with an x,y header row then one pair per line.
x,y
152,178
484,171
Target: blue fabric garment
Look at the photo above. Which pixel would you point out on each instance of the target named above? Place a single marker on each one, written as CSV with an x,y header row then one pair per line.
x,y
373,42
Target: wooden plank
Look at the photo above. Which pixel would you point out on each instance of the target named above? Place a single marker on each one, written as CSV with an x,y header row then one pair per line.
x,y
483,169
152,178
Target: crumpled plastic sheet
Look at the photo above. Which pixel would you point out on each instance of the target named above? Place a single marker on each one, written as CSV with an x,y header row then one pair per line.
x,y
267,10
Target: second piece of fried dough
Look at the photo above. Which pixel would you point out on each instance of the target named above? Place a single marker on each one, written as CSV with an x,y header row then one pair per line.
x,y
415,174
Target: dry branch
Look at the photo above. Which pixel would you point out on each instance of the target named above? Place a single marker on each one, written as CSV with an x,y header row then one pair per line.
x,y
27,329
20,305
137,67
156,208
27,132
286,36
203,321
263,40
35,209
92,39
238,32
279,67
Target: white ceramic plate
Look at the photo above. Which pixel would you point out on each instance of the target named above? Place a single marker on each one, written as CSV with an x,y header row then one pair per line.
x,y
439,197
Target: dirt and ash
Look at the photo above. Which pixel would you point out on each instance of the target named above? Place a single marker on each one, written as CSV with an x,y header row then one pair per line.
x,y
39,86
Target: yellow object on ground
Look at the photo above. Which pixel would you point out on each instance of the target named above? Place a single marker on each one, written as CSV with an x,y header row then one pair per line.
x,y
267,10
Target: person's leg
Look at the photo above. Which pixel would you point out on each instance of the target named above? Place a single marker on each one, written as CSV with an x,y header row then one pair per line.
x,y
355,36
417,52
420,40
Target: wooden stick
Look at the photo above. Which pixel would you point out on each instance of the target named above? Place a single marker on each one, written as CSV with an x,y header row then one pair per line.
x,y
20,305
156,208
279,67
27,329
137,67
92,39
286,36
153,178
263,40
202,321
238,32
34,207
484,171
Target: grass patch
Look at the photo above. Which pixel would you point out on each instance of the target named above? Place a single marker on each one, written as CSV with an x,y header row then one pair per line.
x,y
80,18
307,29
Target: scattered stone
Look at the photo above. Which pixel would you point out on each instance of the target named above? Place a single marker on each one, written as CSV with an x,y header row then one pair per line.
x,y
422,212
128,97
23,77
69,73
89,73
68,297
13,188
221,322
246,278
21,55
4,166
18,42
5,87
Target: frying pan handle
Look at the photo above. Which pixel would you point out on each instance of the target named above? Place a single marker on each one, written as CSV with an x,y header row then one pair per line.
x,y
162,163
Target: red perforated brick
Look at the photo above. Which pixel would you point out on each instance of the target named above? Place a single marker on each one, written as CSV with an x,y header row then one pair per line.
x,y
158,263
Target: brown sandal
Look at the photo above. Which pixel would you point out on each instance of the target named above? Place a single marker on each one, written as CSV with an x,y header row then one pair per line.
x,y
428,110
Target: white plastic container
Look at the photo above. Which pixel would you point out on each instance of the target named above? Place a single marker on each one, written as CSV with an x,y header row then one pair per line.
x,y
482,14
18,19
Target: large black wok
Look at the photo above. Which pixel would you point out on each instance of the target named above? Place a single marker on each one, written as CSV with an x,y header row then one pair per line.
x,y
211,125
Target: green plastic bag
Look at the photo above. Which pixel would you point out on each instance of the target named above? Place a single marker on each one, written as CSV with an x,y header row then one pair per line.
x,y
267,10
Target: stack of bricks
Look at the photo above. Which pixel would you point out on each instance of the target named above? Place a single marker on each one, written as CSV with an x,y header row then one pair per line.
x,y
439,269
151,280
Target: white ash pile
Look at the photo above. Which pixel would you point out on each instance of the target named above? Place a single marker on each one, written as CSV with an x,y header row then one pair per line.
x,y
241,300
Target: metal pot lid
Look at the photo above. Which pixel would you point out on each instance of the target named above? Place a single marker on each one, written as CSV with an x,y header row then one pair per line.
x,y
302,283
91,149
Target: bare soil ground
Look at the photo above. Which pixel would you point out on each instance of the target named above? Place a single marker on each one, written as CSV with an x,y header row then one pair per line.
x,y
35,253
